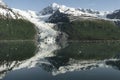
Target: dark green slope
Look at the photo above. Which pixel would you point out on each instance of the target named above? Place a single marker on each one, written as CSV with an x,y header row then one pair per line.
x,y
17,40
12,29
94,29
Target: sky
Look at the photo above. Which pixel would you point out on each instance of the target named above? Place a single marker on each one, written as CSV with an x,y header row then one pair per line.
x,y
37,5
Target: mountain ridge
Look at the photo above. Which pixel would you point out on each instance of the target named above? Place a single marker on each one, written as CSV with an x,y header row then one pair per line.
x,y
69,10
51,9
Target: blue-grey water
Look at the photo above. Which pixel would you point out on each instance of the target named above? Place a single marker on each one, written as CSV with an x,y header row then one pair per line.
x,y
40,74
75,61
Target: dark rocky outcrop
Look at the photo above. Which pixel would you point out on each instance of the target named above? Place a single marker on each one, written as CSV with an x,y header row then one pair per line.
x,y
114,15
58,17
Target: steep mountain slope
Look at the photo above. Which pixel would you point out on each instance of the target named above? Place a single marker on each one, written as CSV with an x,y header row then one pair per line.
x,y
114,15
83,24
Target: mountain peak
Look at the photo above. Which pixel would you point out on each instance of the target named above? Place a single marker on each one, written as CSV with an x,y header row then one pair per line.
x,y
50,9
2,4
55,5
68,10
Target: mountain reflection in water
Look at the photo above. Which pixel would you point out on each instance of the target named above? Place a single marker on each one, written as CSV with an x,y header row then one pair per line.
x,y
76,56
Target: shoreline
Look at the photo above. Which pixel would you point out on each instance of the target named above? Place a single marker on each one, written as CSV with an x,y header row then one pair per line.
x,y
93,41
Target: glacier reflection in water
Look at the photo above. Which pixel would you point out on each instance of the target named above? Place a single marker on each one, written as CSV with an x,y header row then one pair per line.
x,y
73,62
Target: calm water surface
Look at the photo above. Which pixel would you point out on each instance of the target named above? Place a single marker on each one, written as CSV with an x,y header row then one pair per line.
x,y
74,61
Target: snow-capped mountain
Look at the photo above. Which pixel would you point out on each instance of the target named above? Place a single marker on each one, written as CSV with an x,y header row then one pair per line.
x,y
71,11
6,12
62,13
50,10
53,12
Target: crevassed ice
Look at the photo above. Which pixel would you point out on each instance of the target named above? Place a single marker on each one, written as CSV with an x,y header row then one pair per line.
x,y
45,30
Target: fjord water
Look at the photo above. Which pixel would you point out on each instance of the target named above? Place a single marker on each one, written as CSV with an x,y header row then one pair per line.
x,y
73,61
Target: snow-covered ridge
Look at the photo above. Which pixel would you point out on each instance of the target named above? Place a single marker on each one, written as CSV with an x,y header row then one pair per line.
x,y
6,12
72,11
2,4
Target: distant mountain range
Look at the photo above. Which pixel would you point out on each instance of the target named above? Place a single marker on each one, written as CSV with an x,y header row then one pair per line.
x,y
53,8
5,11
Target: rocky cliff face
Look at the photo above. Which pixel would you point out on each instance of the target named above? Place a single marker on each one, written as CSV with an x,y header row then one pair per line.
x,y
114,15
